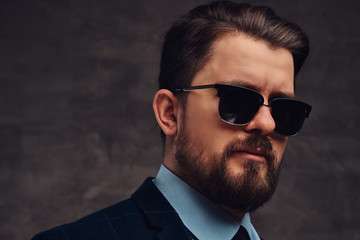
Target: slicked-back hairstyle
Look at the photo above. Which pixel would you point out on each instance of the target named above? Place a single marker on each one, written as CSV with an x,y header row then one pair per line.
x,y
187,44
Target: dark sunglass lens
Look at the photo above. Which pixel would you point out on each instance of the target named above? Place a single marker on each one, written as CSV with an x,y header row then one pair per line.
x,y
289,115
238,105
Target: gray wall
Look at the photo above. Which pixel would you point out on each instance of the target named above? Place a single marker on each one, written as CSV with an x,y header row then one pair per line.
x,y
77,132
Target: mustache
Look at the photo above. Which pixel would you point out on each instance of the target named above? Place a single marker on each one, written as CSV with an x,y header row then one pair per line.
x,y
254,141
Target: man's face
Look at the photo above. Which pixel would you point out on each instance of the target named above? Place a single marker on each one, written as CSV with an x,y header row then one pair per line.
x,y
235,166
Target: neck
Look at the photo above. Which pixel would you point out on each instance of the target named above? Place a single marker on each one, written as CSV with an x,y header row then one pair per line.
x,y
236,214
171,164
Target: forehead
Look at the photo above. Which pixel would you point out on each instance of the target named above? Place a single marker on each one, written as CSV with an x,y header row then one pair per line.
x,y
237,58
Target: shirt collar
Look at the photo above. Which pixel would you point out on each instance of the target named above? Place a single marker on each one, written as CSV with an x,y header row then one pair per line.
x,y
200,215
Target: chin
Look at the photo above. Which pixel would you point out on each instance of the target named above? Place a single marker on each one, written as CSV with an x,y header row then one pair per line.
x,y
238,170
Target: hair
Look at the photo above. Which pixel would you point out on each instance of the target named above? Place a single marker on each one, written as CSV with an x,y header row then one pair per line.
x,y
187,44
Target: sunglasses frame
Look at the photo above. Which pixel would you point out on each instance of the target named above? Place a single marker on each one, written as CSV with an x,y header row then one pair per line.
x,y
220,87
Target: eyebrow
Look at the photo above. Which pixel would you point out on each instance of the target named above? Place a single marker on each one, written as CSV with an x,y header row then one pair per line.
x,y
273,95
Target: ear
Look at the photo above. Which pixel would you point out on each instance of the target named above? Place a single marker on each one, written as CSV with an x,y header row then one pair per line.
x,y
166,107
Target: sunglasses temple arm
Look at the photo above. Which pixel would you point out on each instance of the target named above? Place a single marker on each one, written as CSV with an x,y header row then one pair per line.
x,y
194,88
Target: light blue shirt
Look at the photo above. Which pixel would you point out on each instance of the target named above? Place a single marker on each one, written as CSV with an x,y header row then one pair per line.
x,y
202,217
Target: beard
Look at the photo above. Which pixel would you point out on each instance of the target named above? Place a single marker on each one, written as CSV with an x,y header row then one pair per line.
x,y
245,191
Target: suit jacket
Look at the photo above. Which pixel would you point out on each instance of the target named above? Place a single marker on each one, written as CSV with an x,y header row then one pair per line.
x,y
146,215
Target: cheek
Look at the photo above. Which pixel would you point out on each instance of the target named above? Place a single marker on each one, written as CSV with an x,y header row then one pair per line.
x,y
203,123
279,145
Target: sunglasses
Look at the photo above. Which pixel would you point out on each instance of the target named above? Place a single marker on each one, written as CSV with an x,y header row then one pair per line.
x,y
239,105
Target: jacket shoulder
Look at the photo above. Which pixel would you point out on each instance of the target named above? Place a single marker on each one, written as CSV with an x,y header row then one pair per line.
x,y
146,215
52,234
122,219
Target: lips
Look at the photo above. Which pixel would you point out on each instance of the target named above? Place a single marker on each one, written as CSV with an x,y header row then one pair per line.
x,y
256,151
254,147
255,154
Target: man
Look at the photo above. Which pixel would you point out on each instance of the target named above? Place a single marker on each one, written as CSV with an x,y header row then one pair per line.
x,y
226,108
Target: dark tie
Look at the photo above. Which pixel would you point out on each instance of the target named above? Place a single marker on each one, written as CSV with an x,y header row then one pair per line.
x,y
241,234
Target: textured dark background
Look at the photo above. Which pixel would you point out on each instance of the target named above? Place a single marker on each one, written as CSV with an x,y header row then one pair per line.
x,y
77,132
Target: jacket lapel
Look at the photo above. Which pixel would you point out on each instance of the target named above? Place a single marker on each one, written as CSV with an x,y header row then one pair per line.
x,y
158,211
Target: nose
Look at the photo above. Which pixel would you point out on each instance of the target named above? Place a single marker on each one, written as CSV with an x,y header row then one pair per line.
x,y
263,122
